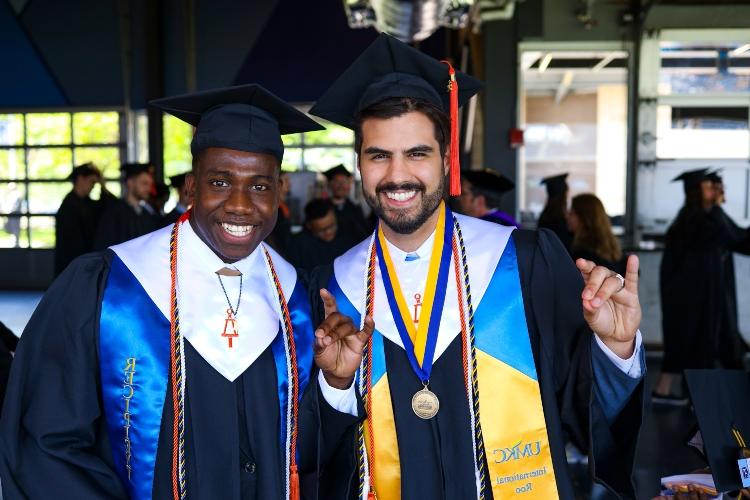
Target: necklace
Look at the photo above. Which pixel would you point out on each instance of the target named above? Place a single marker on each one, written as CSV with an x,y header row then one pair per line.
x,y
230,322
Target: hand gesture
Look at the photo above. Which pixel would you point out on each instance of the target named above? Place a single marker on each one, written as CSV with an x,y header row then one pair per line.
x,y
339,344
610,304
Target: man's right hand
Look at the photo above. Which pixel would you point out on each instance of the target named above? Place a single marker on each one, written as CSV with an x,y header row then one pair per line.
x,y
339,344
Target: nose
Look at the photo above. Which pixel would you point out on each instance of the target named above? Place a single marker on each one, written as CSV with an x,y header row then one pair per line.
x,y
239,202
398,170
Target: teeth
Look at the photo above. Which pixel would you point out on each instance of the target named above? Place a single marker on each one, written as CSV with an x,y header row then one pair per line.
x,y
238,231
401,195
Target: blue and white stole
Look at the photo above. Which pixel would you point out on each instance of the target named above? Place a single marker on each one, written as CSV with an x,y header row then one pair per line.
x,y
134,357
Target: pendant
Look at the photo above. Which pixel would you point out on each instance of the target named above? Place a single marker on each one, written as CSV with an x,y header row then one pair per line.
x,y
425,403
230,327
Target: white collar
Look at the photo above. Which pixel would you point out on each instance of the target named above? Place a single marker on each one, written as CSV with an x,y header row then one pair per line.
x,y
424,250
484,242
201,300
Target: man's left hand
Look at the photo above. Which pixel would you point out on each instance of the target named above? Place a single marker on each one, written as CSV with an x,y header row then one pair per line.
x,y
612,310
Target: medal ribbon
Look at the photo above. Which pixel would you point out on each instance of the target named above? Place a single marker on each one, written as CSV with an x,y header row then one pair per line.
x,y
419,343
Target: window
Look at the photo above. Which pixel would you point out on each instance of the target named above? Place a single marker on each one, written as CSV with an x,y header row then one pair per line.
x,y
37,153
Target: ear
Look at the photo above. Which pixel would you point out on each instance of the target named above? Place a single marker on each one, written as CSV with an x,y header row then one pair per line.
x,y
190,184
447,161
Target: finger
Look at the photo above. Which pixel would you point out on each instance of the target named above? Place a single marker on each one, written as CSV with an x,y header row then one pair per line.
x,y
631,274
367,329
594,281
329,302
585,266
611,286
335,321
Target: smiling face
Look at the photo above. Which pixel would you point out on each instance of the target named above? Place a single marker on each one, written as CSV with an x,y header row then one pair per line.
x,y
235,200
403,171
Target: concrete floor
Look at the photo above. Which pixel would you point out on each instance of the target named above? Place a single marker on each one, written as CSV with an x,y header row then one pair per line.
x,y
661,450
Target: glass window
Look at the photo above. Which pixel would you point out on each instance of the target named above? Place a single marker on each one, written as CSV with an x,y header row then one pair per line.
x,y
177,137
704,68
34,170
702,132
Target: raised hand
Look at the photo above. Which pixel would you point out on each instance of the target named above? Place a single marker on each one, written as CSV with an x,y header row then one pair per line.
x,y
339,344
611,306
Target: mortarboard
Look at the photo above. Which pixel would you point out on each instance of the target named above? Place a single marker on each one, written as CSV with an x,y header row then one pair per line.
x,y
389,68
715,176
337,170
692,178
722,407
177,181
489,179
556,185
83,170
244,118
132,169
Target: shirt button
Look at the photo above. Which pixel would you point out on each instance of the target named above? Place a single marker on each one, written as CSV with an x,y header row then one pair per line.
x,y
249,467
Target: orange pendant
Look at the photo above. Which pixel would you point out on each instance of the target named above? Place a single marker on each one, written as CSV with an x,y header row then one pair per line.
x,y
230,327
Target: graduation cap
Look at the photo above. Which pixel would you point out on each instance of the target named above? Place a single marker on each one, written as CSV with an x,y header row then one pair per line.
x,y
83,170
132,169
715,176
177,181
337,170
556,184
244,118
488,179
722,407
389,68
691,178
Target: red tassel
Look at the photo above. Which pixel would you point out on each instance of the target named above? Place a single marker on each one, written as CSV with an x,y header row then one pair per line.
x,y
371,496
455,167
293,483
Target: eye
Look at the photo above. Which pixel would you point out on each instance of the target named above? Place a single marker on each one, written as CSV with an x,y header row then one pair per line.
x,y
260,187
218,183
417,154
378,156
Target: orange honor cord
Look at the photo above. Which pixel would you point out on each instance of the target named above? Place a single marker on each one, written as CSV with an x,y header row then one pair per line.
x,y
455,167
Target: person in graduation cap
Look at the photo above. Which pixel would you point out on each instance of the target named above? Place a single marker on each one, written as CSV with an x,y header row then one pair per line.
x,y
554,214
77,218
695,279
481,192
351,221
490,347
183,198
131,216
173,365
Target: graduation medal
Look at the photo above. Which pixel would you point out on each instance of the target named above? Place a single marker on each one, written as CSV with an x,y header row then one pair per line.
x,y
419,341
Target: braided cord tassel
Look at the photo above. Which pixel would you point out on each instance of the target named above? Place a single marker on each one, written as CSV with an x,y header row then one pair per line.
x,y
177,362
471,355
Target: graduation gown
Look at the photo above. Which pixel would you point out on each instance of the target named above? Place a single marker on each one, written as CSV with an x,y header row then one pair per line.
x,y
281,236
436,459
560,228
54,441
698,297
120,222
351,221
75,227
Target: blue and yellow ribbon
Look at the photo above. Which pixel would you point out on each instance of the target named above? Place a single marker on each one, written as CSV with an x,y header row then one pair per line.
x,y
419,342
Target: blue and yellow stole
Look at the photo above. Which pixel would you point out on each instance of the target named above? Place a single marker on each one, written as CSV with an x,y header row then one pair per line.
x,y
134,345
511,415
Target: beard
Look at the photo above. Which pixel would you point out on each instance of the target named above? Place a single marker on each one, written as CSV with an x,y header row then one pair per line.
x,y
400,221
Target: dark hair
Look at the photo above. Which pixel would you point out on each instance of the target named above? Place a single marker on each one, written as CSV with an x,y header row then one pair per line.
x,y
317,209
393,107
554,210
491,198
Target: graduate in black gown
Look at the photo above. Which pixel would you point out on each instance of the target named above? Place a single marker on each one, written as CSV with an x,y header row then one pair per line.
x,y
320,241
481,194
484,356
698,309
349,215
130,216
78,216
556,208
593,238
170,364
183,198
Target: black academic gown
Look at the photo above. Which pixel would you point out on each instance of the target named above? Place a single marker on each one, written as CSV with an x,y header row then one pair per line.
x,y
307,252
120,223
75,227
699,316
560,228
53,438
280,237
351,221
436,454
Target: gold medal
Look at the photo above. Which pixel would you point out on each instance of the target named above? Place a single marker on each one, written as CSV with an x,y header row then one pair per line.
x,y
425,403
